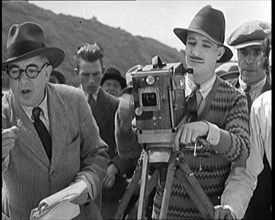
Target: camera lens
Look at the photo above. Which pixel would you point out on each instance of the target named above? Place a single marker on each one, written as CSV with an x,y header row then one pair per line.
x,y
149,99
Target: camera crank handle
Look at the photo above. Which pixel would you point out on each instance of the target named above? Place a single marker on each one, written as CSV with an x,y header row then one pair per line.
x,y
201,141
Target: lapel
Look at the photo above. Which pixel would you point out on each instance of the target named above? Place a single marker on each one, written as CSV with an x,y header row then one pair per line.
x,y
209,98
58,125
102,106
28,135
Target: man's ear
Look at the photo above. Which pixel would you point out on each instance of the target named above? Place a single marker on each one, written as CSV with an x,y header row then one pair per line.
x,y
221,51
49,70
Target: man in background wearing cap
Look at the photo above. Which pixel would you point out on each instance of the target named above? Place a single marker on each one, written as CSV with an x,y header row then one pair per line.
x,y
219,113
42,152
112,82
247,39
89,66
255,182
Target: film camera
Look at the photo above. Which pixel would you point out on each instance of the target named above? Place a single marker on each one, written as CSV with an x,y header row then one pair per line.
x,y
159,100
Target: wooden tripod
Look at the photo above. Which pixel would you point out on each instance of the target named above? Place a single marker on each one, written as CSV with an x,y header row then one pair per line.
x,y
189,181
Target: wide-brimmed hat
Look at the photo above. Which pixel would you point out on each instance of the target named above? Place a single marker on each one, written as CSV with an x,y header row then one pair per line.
x,y
27,40
113,73
251,33
210,23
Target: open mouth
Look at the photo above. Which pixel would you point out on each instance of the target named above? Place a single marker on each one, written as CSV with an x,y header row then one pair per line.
x,y
25,91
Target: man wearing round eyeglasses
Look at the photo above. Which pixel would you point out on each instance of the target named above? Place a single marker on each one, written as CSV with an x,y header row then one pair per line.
x,y
28,77
41,152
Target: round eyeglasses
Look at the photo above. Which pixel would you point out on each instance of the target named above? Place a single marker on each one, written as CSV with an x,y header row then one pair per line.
x,y
31,71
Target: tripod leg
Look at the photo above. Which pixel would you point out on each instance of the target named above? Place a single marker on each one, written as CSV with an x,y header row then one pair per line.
x,y
195,191
129,192
168,186
144,177
152,183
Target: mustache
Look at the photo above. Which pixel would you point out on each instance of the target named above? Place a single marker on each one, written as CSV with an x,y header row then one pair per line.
x,y
196,58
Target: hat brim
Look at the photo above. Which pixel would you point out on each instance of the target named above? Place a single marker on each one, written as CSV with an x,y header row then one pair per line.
x,y
55,56
248,44
120,79
181,33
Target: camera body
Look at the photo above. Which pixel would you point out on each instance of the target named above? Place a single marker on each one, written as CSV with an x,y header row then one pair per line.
x,y
159,100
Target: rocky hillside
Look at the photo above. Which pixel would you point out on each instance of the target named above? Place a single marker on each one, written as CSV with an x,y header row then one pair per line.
x,y
122,49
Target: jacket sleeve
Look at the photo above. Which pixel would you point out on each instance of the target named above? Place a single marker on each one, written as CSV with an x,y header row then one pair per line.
x,y
126,139
93,152
234,138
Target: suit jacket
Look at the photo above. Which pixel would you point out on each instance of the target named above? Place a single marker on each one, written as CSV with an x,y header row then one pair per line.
x,y
104,113
77,149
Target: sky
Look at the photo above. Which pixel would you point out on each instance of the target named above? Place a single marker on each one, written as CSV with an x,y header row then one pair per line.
x,y
157,19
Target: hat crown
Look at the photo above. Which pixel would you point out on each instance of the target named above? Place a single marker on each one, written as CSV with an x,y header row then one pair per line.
x,y
249,32
28,31
210,21
27,40
112,71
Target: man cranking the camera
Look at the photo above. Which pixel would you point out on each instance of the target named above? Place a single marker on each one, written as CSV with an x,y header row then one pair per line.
x,y
216,112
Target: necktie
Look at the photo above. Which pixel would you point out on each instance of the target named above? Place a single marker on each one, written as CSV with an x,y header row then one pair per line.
x,y
42,131
249,101
92,102
199,98
191,103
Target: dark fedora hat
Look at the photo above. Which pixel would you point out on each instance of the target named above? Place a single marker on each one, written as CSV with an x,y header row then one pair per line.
x,y
113,73
26,40
210,23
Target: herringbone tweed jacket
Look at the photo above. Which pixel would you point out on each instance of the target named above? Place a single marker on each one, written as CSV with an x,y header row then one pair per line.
x,y
227,108
77,149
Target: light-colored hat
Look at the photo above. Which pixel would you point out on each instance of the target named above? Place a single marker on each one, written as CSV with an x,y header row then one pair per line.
x,y
249,34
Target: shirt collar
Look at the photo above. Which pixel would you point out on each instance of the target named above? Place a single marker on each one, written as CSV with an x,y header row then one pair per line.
x,y
254,87
205,87
95,95
43,105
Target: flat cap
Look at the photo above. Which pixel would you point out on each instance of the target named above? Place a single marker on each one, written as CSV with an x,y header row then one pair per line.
x,y
249,34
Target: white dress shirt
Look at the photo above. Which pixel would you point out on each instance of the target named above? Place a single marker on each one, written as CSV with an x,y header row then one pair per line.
x,y
44,117
95,95
241,184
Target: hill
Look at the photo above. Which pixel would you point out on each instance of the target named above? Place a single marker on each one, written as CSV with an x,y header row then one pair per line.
x,y
122,49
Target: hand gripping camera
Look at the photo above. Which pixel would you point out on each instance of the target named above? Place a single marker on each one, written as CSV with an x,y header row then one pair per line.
x,y
159,100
